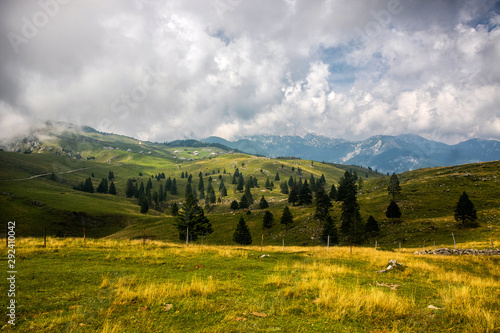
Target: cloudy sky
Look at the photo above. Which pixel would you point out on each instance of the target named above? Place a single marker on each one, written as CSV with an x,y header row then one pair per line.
x,y
165,70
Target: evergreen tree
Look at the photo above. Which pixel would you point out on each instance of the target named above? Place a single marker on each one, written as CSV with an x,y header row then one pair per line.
x,y
263,203
136,191
284,188
347,186
333,192
189,190
235,180
329,229
293,196
173,187
143,202
312,183
168,184
161,194
149,185
88,187
237,173
242,234
248,195
323,204
140,192
291,181
235,205
190,178
182,174
211,194
53,177
103,186
241,183
111,175
393,211
277,177
351,224
268,220
156,198
268,184
191,218
322,180
112,189
305,194
221,184
223,191
287,217
130,189
244,204
372,225
175,209
201,187
465,213
394,187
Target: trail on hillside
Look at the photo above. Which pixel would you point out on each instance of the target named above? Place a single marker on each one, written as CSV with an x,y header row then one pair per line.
x,y
45,174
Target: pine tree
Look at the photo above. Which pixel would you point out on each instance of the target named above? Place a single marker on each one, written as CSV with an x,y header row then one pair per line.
x,y
130,189
111,175
223,191
394,187
329,229
211,194
149,185
191,218
161,193
277,177
201,187
465,213
263,203
241,183
393,211
168,184
323,204
175,209
242,234
103,186
268,184
173,187
351,224
144,205
372,225
305,194
291,181
293,196
88,187
244,204
140,192
284,188
287,217
112,189
248,195
189,190
234,205
333,193
268,220
156,198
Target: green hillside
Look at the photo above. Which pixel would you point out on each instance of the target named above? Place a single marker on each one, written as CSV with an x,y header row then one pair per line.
x,y
35,199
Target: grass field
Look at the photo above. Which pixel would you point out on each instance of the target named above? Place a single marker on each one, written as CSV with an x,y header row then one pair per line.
x,y
123,286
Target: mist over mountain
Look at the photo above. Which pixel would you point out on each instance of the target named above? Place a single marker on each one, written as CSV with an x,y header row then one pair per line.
x,y
382,152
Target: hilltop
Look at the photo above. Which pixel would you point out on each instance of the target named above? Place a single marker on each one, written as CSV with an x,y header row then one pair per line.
x,y
38,176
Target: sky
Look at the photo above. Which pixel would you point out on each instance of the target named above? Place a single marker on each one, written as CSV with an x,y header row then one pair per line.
x,y
165,70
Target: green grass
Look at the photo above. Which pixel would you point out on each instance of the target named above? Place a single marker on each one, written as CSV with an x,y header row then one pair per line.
x,y
123,286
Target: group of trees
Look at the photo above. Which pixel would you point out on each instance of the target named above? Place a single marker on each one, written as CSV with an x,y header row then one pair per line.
x,y
87,185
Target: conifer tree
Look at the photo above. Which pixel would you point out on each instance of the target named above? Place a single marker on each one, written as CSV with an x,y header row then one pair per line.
x,y
284,188
201,187
143,202
268,220
211,194
130,189
173,187
305,194
191,218
393,211
189,190
322,203
465,213
111,175
241,183
244,204
329,229
277,177
333,192
234,205
103,186
352,226
242,234
372,225
140,192
161,193
248,195
112,189
263,203
175,209
168,184
88,187
293,196
223,191
394,187
149,185
286,217
291,181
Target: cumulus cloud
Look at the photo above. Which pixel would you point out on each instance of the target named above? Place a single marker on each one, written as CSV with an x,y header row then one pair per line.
x,y
190,69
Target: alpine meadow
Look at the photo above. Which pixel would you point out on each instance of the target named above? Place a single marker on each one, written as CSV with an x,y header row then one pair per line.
x,y
197,237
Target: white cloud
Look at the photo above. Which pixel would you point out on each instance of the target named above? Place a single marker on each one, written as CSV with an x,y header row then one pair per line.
x,y
234,68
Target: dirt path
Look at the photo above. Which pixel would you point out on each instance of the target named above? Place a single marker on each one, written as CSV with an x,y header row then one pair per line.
x,y
45,174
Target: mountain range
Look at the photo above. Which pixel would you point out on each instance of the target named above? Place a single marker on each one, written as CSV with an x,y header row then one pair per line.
x,y
384,153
